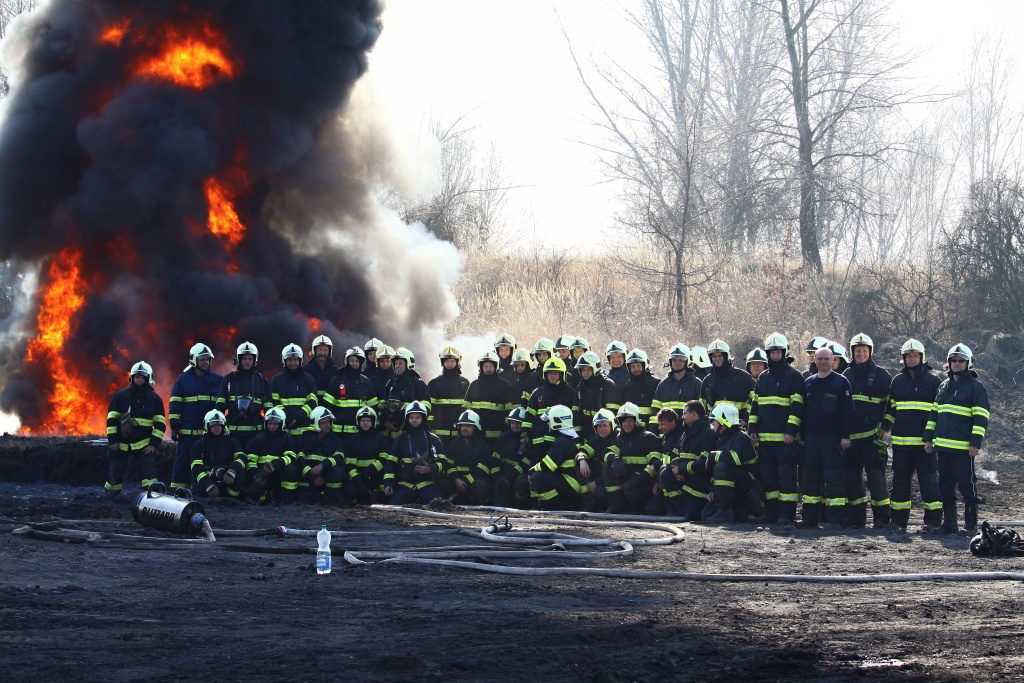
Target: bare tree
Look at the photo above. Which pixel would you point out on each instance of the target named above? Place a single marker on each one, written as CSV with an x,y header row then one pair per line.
x,y
472,188
658,147
841,71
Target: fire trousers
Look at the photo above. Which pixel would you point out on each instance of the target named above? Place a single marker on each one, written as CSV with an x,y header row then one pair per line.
x,y
778,475
823,483
119,461
863,459
956,470
905,462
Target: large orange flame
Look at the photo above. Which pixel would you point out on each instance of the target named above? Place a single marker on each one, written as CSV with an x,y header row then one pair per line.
x,y
191,61
222,219
75,407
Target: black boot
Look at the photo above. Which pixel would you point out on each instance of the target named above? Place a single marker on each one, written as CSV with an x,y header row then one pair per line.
x,y
949,522
971,517
881,514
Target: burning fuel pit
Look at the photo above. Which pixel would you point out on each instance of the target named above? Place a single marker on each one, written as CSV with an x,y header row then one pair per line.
x,y
182,172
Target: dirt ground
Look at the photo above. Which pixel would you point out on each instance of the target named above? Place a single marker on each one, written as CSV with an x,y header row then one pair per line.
x,y
72,611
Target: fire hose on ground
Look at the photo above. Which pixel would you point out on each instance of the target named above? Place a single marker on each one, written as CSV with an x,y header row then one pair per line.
x,y
179,514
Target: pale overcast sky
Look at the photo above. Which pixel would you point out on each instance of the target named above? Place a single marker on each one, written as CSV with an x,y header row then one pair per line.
x,y
505,64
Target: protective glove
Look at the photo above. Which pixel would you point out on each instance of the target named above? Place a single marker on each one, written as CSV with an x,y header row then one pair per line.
x,y
883,452
618,468
212,491
259,480
229,477
268,467
218,474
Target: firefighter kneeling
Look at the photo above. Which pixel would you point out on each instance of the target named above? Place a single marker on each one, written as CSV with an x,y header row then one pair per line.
x,y
553,479
732,467
322,459
272,475
471,465
218,461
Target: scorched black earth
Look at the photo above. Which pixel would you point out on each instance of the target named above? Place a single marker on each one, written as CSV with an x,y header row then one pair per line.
x,y
74,611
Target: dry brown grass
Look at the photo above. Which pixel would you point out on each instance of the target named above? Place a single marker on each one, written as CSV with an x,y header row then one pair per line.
x,y
593,297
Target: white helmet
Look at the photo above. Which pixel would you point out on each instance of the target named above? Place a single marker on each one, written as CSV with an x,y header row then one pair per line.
x,y
725,414
199,351
247,348
274,413
142,368
322,340
320,413
215,417
469,417
559,417
291,351
604,415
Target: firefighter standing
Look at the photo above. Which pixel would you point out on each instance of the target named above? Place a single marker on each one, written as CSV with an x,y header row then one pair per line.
x,y
642,384
321,364
244,394
868,454
774,426
135,428
726,384
447,394
680,386
490,396
955,431
594,391
827,424
194,394
294,390
402,389
348,391
911,397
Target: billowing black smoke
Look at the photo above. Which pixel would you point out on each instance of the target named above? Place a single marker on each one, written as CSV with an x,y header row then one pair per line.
x,y
100,159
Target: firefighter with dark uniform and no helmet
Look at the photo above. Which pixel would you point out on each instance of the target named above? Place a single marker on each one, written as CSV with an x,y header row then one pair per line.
x,y
447,393
218,461
955,431
294,390
194,395
244,394
827,424
687,465
135,429
869,453
774,427
911,397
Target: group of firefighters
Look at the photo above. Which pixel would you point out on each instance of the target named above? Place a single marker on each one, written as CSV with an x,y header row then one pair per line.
x,y
549,428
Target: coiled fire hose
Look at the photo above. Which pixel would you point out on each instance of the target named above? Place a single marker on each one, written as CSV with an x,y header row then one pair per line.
x,y
544,544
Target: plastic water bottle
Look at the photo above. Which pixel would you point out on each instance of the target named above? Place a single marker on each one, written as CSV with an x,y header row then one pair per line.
x,y
323,553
